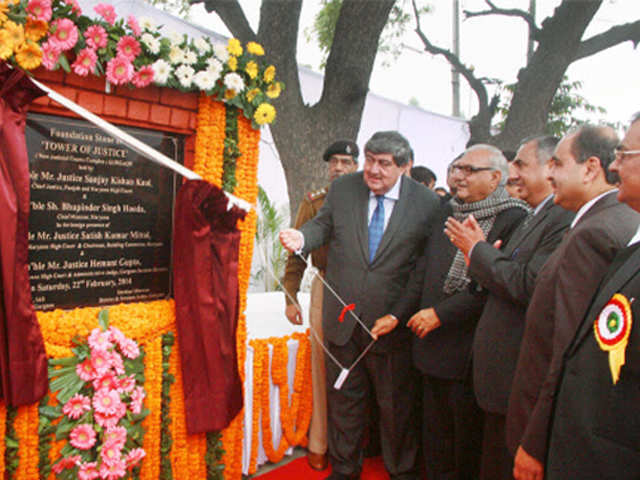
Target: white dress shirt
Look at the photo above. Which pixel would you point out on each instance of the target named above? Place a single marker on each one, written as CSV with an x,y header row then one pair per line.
x,y
585,208
390,199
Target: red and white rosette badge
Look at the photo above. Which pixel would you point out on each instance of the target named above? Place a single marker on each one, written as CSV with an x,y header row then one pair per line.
x,y
612,328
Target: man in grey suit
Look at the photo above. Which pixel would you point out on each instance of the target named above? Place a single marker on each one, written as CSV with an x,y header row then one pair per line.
x,y
582,182
595,433
375,223
509,276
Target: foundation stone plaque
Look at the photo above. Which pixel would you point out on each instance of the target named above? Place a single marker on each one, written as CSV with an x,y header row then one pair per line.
x,y
101,215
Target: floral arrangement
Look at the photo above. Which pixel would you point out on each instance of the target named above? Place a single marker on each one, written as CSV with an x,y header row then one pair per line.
x,y
55,34
100,412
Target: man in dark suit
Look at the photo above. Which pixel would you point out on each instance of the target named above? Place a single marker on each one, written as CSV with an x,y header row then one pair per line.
x,y
509,276
582,182
376,223
595,432
447,312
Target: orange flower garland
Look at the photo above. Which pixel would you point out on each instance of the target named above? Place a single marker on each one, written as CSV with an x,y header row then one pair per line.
x,y
210,137
3,431
26,427
180,448
274,456
259,351
299,412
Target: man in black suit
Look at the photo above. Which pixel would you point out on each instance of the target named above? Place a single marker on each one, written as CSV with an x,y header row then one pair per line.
x,y
447,312
582,182
509,276
375,223
595,432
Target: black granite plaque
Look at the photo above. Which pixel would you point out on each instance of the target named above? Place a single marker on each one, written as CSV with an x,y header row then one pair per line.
x,y
101,215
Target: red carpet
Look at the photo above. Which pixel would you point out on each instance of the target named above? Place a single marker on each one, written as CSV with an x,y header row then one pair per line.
x,y
373,469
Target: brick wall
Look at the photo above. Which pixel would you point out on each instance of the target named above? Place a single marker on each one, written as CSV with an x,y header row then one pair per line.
x,y
152,107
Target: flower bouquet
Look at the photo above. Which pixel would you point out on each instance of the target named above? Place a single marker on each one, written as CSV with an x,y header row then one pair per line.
x,y
100,407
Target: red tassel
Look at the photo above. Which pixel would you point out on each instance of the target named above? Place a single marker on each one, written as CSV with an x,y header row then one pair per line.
x,y
351,306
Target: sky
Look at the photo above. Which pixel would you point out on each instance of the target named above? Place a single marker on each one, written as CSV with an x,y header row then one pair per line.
x,y
494,45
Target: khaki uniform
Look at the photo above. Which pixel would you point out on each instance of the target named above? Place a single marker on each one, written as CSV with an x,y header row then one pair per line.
x,y
294,272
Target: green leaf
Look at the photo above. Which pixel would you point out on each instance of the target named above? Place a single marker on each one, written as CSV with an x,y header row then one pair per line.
x,y
50,412
103,319
11,442
64,63
65,362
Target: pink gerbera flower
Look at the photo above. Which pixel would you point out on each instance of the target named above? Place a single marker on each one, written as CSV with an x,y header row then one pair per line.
x,y
126,384
116,335
50,55
137,397
134,25
75,7
116,435
100,361
111,453
129,347
106,421
106,11
119,71
76,406
65,463
85,62
96,36
134,457
99,340
106,402
85,370
114,470
88,471
40,9
82,437
128,47
108,381
65,33
116,360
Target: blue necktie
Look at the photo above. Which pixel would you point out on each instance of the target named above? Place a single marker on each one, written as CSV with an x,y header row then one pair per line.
x,y
376,227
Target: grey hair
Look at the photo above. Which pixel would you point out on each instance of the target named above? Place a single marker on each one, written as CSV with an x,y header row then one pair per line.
x,y
545,146
496,159
390,142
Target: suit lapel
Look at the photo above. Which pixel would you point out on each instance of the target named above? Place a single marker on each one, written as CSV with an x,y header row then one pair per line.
x,y
361,219
394,221
524,231
624,266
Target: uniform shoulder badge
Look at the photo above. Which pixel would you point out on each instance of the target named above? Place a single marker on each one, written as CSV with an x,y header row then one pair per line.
x,y
612,329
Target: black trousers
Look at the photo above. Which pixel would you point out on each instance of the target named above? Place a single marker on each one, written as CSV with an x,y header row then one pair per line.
x,y
497,462
391,380
451,429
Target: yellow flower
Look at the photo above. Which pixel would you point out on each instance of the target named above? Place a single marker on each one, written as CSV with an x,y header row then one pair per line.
x,y
251,69
229,94
4,8
16,34
251,94
269,74
255,48
265,113
29,56
234,47
35,29
6,47
233,63
273,90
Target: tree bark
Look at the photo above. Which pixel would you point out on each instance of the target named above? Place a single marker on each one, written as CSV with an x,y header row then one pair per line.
x,y
302,132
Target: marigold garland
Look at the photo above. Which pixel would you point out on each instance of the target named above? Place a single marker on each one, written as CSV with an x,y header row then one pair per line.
x,y
153,385
166,440
179,458
26,427
3,429
11,458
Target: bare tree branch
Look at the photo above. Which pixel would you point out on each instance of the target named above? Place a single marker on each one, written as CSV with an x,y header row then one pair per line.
x,y
509,12
610,38
230,12
475,83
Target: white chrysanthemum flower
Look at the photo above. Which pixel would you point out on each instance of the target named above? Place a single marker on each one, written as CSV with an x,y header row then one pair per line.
x,y
214,64
184,74
202,44
190,57
161,71
175,38
205,80
176,55
234,82
221,52
151,42
147,23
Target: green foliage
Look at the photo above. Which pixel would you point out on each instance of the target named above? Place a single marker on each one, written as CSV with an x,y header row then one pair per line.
x,y
166,441
272,255
231,150
324,27
568,108
11,458
212,457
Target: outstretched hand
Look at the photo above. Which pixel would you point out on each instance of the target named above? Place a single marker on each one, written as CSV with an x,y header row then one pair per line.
x,y
291,239
464,235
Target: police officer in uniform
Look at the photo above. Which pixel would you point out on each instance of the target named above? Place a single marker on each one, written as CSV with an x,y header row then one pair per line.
x,y
341,158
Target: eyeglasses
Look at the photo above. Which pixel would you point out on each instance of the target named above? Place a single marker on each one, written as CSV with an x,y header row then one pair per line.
x,y
620,152
467,170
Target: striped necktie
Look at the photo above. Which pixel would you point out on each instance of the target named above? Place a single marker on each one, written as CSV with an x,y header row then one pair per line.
x,y
376,227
